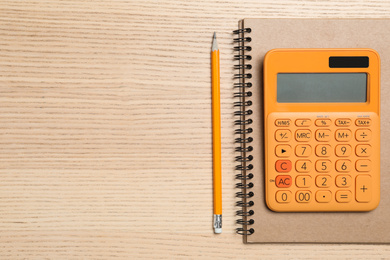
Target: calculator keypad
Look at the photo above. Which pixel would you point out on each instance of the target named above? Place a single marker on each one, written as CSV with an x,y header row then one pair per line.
x,y
322,162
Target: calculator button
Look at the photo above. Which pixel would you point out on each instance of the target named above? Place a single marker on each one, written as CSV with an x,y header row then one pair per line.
x,y
303,150
283,150
303,135
363,188
343,135
363,150
323,122
363,165
323,150
283,196
323,135
303,166
323,196
343,122
323,165
363,135
283,135
303,122
283,181
343,181
363,122
323,181
303,196
303,181
283,165
343,165
282,122
343,150
343,196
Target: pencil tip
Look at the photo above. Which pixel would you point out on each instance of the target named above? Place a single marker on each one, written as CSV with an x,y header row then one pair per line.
x,y
215,44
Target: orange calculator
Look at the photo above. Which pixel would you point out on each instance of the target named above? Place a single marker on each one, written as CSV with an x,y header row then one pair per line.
x,y
322,129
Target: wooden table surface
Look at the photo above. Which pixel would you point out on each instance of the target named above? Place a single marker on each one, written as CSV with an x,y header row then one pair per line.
x,y
105,134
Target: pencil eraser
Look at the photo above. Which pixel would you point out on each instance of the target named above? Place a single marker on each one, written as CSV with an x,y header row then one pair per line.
x,y
217,230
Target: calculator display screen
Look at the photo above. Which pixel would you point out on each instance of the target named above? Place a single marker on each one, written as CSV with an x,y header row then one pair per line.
x,y
321,87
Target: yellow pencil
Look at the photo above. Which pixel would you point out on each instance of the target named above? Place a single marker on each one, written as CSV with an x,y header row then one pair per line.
x,y
216,108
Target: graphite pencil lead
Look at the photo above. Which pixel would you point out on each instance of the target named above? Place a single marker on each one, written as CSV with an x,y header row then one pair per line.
x,y
215,44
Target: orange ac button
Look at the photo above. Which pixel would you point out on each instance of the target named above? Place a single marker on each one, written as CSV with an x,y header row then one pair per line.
x,y
283,181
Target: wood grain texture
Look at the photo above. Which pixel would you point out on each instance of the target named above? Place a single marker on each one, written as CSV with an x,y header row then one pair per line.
x,y
105,134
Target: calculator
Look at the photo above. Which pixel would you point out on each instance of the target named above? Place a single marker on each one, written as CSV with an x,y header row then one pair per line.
x,y
322,129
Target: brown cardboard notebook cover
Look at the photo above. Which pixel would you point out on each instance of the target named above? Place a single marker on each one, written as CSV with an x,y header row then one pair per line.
x,y
272,227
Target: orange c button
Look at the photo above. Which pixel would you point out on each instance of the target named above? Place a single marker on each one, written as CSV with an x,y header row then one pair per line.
x,y
283,165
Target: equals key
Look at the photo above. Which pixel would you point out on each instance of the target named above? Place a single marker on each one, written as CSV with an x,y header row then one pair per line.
x,y
343,196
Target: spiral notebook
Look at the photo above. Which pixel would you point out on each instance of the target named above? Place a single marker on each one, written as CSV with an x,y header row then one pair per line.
x,y
254,38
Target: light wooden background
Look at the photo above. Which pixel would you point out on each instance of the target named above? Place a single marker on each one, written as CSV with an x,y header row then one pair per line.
x,y
105,128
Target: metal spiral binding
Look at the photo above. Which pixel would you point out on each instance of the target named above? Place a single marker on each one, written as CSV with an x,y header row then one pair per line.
x,y
243,131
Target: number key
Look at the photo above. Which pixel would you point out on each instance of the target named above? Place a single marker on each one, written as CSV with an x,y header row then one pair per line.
x,y
323,150
303,166
323,166
303,196
343,181
343,150
303,150
343,165
323,181
303,181
283,196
